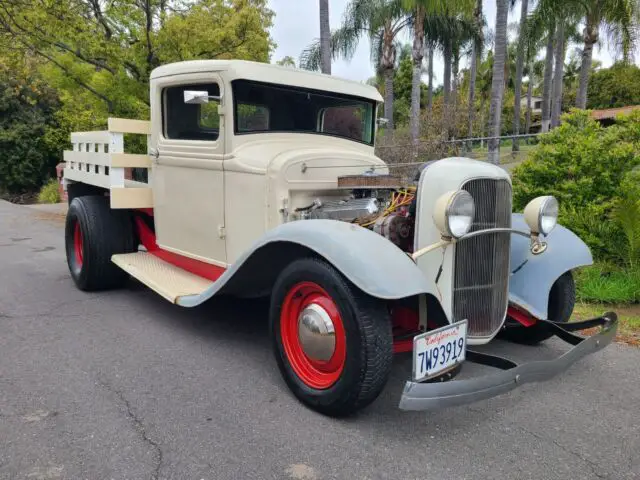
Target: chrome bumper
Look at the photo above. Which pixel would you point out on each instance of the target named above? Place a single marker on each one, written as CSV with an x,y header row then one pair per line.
x,y
431,396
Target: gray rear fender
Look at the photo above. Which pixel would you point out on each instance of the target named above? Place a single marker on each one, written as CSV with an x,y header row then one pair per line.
x,y
371,262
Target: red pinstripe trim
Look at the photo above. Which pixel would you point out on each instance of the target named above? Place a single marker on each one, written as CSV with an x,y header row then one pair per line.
x,y
202,269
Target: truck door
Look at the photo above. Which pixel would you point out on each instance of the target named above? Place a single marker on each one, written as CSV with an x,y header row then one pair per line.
x,y
187,147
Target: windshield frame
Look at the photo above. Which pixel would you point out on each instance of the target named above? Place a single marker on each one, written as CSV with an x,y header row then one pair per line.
x,y
325,93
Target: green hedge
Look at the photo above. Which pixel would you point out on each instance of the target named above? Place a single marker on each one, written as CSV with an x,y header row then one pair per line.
x,y
587,167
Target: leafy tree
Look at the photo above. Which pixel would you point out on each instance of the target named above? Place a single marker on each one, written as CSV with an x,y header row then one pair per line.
x,y
619,18
27,108
616,86
286,62
108,49
403,89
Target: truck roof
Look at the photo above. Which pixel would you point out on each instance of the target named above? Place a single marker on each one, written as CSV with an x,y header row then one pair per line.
x,y
264,72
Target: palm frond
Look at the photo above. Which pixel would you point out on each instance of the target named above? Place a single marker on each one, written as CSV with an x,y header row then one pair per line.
x,y
310,56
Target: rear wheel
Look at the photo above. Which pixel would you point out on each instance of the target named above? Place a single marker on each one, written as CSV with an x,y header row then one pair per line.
x,y
93,233
332,342
562,299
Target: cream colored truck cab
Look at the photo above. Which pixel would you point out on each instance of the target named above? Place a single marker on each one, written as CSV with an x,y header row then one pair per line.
x,y
263,180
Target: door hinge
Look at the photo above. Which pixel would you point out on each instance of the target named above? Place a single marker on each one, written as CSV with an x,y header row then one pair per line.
x,y
222,233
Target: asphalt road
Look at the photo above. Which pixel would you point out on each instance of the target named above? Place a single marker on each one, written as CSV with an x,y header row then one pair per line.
x,y
123,385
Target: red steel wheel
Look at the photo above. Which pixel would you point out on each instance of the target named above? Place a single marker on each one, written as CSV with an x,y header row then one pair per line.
x,y
333,343
78,244
313,335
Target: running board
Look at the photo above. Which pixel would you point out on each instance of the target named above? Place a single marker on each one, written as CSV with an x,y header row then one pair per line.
x,y
164,278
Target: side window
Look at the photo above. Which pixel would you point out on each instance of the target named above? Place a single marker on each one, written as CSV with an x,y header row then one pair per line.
x,y
252,118
191,121
345,121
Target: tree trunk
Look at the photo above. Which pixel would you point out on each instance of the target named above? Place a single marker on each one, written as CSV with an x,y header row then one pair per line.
x,y
527,126
387,63
556,105
546,87
430,88
497,82
590,38
455,67
388,98
447,85
325,38
416,81
524,11
476,54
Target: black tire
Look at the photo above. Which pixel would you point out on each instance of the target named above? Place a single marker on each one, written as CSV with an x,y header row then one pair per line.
x,y
562,299
368,333
103,233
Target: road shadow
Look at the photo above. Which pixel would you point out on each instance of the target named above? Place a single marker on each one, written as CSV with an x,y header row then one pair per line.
x,y
242,325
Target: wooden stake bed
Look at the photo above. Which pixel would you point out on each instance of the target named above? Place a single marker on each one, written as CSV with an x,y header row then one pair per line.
x,y
98,159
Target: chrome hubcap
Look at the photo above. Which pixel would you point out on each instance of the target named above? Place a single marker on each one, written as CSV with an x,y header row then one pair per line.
x,y
316,333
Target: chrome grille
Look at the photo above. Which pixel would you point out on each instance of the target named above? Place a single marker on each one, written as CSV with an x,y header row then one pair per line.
x,y
481,281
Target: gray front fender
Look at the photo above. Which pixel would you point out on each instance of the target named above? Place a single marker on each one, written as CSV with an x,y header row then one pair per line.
x,y
534,275
368,260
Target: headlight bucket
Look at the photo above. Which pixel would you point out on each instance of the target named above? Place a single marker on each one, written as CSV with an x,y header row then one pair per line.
x,y
541,214
453,213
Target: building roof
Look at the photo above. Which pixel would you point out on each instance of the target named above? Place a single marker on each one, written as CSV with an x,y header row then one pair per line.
x,y
264,72
612,113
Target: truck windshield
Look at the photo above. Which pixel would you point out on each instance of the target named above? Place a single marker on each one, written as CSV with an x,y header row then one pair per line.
x,y
261,107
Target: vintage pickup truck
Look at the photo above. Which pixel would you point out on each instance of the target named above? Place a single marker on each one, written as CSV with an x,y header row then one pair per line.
x,y
262,180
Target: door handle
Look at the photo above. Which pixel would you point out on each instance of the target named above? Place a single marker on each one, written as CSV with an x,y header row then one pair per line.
x,y
154,154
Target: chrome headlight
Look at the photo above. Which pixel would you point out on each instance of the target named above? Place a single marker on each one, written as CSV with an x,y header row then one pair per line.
x,y
453,213
541,214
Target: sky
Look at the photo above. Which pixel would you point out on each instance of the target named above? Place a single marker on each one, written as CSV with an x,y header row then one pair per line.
x,y
296,25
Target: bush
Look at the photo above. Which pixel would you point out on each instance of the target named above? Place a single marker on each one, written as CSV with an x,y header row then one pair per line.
x,y
627,213
583,165
26,111
50,192
608,284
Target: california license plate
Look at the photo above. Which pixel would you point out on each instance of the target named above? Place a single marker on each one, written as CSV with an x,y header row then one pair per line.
x,y
438,351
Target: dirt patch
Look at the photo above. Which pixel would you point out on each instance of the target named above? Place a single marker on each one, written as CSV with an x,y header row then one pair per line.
x,y
628,315
20,198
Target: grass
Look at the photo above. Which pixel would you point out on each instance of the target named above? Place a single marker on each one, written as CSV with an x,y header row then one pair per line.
x,y
603,283
628,315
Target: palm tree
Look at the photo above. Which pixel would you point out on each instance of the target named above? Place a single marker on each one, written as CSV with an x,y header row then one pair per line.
x,y
535,70
430,52
476,55
451,33
524,13
548,76
382,21
497,82
558,54
618,17
325,37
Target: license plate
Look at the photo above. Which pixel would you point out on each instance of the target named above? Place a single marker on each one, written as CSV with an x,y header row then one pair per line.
x,y
440,350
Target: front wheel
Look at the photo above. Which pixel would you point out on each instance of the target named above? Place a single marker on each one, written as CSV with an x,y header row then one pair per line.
x,y
332,342
562,299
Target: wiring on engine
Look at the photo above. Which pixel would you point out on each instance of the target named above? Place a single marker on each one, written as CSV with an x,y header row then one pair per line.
x,y
399,198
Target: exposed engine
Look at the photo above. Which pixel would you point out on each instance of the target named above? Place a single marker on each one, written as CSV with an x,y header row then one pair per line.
x,y
377,202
